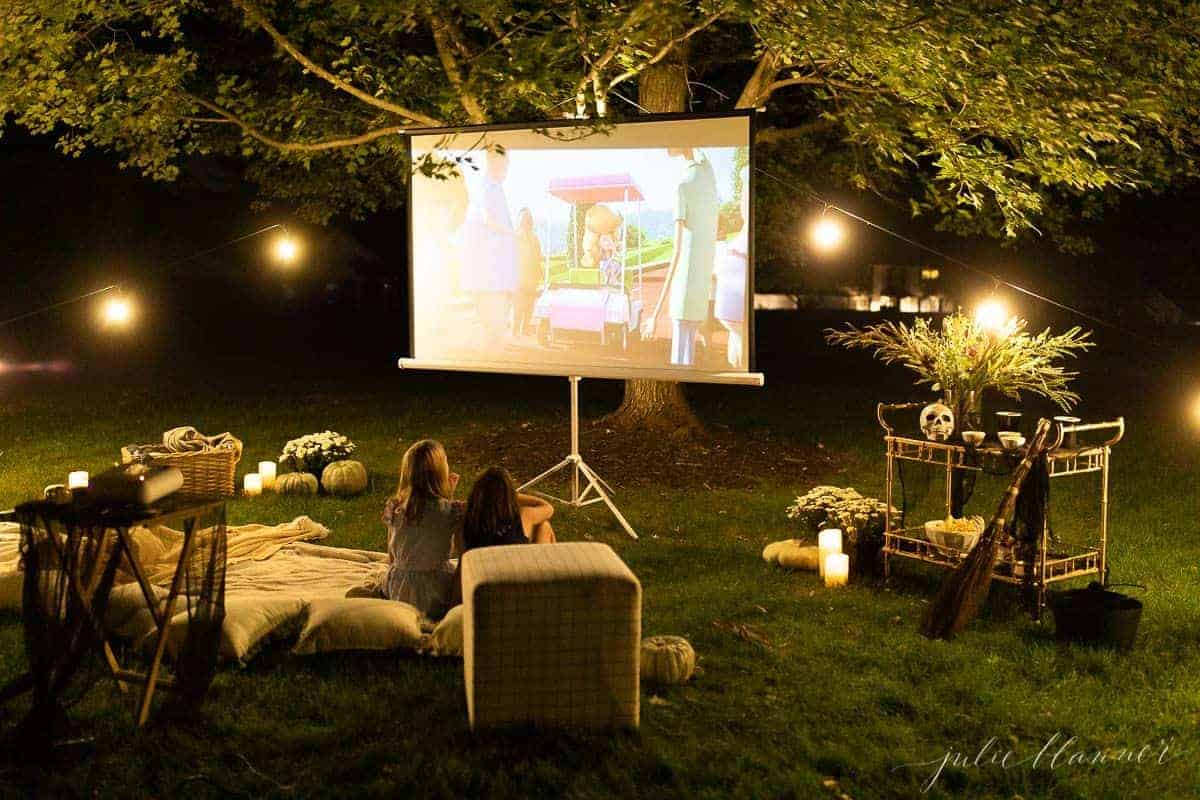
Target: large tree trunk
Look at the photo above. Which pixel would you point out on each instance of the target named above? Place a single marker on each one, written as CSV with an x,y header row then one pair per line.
x,y
659,405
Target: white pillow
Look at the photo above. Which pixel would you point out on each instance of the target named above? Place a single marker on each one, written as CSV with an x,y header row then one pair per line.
x,y
249,620
128,615
358,623
447,637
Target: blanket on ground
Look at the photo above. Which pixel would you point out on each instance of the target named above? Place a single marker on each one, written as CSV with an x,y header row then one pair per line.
x,y
274,580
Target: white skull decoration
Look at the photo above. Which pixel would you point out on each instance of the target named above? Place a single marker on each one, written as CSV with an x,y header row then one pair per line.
x,y
937,422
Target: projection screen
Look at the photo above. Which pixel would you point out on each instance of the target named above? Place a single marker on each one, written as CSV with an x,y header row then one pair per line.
x,y
617,251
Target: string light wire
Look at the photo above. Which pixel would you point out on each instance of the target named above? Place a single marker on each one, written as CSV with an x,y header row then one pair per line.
x,y
996,279
116,287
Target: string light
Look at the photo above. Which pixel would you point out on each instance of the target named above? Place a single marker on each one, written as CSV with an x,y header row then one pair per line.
x,y
116,312
993,315
827,233
285,249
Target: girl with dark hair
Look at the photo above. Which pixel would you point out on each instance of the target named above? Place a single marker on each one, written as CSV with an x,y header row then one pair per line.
x,y
497,514
424,530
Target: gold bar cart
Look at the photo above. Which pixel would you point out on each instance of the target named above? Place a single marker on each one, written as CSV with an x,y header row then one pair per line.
x,y
1065,563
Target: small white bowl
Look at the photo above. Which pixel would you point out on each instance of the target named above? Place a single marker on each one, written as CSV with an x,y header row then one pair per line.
x,y
973,438
1012,441
951,544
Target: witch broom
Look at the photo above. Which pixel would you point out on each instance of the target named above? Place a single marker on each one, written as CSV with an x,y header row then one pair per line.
x,y
964,592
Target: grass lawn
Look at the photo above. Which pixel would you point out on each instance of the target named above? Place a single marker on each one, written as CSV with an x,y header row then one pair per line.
x,y
846,694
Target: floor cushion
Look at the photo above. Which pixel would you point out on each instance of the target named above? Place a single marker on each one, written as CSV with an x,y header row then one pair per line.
x,y
250,621
358,623
551,636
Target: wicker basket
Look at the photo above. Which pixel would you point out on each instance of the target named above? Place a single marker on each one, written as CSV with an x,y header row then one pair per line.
x,y
207,474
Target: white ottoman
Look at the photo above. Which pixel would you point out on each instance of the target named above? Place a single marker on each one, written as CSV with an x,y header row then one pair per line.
x,y
551,636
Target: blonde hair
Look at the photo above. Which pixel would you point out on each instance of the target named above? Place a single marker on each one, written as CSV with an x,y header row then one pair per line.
x,y
424,475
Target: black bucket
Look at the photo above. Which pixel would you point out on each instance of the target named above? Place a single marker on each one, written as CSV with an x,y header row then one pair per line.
x,y
1096,616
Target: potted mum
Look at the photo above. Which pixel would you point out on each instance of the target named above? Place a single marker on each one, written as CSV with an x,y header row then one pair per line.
x,y
314,452
861,520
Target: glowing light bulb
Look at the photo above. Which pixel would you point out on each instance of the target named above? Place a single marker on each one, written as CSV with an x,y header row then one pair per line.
x,y
117,312
286,249
993,316
827,233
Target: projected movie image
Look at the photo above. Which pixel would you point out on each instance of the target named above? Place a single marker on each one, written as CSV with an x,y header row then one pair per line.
x,y
574,248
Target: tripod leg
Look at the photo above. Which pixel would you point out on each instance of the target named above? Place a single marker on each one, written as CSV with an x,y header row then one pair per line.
x,y
594,481
565,462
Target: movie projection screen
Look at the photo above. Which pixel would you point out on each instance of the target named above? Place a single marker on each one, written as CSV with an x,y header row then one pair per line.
x,y
580,251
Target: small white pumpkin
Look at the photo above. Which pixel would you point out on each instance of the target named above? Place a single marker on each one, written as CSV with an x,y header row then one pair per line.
x,y
344,478
792,554
304,483
667,659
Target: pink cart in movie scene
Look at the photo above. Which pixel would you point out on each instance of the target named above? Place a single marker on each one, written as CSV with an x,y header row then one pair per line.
x,y
600,300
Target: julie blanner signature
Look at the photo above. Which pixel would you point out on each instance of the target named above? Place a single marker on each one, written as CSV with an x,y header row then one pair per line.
x,y
1058,753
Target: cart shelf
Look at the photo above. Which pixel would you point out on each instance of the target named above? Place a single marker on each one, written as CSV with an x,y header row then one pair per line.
x,y
1052,563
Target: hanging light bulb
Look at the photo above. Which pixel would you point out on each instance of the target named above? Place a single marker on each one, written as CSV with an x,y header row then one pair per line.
x,y
117,312
285,249
827,233
993,316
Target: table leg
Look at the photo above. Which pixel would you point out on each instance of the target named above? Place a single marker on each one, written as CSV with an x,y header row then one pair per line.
x,y
189,529
140,576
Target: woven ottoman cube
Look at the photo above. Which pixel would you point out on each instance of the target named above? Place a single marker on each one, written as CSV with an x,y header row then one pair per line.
x,y
551,636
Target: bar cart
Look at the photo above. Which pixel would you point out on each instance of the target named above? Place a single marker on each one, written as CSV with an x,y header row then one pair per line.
x,y
1054,562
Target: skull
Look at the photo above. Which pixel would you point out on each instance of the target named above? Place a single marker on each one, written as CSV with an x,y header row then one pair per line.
x,y
937,422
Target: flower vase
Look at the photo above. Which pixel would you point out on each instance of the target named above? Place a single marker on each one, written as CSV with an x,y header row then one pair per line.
x,y
968,416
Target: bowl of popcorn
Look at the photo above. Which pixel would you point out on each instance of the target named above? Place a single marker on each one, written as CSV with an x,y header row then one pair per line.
x,y
954,537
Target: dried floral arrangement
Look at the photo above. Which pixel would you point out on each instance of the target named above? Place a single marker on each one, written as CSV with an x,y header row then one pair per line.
x,y
965,360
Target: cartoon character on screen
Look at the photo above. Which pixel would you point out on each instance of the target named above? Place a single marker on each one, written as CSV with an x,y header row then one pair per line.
x,y
688,282
610,265
488,244
529,273
729,299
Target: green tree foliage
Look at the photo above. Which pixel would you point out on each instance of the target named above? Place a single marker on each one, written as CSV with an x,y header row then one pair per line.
x,y
989,116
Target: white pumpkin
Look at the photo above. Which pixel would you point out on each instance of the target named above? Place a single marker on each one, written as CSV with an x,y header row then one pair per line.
x,y
344,478
667,659
792,554
296,483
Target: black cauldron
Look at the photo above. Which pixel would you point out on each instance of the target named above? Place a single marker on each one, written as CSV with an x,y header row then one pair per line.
x,y
1096,616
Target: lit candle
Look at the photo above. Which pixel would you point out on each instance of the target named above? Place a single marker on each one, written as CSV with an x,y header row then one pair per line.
x,y
266,470
837,570
77,479
829,541
252,486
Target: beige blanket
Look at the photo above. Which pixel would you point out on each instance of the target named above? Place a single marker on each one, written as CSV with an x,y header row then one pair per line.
x,y
158,548
272,574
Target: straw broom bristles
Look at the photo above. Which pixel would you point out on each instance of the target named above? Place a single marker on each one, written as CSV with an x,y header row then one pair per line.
x,y
964,592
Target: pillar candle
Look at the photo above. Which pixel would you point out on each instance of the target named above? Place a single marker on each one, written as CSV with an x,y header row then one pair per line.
x,y
266,471
837,570
252,485
829,541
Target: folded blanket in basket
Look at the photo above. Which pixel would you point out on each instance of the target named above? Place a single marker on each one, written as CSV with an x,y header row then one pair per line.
x,y
186,439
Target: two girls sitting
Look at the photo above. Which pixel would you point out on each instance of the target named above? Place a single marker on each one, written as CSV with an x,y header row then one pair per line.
x,y
427,527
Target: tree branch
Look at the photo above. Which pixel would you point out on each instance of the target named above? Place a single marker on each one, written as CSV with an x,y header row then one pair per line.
x,y
817,80
666,49
442,39
227,116
773,134
286,45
